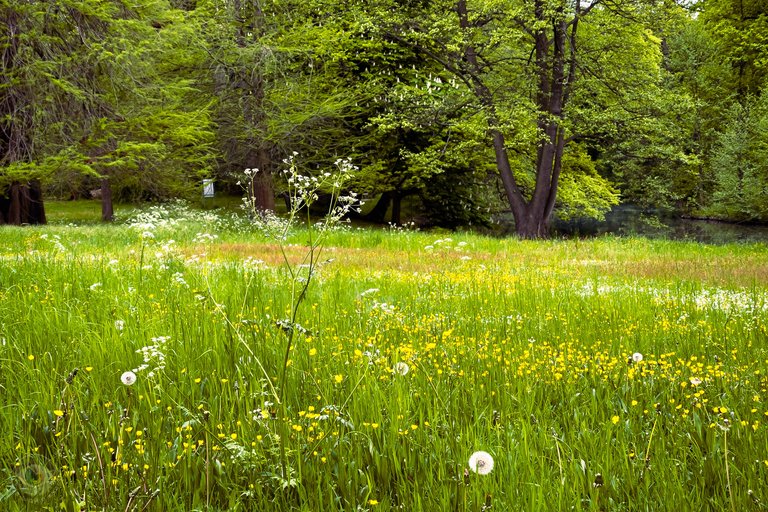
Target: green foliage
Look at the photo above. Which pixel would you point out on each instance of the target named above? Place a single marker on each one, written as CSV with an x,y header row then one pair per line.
x,y
155,96
272,70
583,192
111,100
608,99
740,163
49,80
741,30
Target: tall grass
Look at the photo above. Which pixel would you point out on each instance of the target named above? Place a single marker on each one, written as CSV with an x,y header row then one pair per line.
x,y
521,349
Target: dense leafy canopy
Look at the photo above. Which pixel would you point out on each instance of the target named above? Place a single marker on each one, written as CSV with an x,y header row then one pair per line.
x,y
539,107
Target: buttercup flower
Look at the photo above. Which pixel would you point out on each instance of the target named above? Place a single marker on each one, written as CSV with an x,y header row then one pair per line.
x,y
128,378
481,463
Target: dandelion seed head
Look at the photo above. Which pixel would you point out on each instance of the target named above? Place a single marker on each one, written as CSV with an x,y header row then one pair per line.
x,y
481,463
128,378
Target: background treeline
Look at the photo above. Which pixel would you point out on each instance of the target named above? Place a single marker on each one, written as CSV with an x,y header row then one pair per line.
x,y
467,108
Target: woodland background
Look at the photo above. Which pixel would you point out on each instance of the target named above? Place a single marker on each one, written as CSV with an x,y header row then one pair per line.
x,y
465,109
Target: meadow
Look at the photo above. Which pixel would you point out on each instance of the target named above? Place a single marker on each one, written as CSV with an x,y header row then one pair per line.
x,y
180,360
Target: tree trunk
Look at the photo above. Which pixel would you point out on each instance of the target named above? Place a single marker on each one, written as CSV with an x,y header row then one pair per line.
x,y
23,205
532,226
379,212
107,210
36,205
14,210
250,20
263,191
554,51
397,201
263,186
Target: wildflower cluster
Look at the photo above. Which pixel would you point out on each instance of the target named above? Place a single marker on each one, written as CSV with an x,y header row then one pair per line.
x,y
178,215
153,356
303,191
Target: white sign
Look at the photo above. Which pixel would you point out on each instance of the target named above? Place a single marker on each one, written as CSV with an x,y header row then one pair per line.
x,y
208,188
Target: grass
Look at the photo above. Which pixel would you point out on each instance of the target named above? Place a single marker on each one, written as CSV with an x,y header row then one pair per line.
x,y
520,349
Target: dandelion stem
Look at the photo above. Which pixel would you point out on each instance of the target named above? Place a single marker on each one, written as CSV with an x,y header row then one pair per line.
x,y
650,440
727,472
559,459
101,467
207,473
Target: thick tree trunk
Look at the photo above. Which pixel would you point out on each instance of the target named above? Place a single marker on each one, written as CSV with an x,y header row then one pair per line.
x,y
532,226
14,210
263,191
532,217
379,212
36,205
250,20
23,204
107,209
262,186
397,202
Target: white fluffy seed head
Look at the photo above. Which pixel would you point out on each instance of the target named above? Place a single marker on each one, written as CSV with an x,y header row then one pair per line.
x,y
481,463
128,378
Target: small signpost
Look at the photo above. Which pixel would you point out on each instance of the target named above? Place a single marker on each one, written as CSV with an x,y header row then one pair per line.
x,y
208,188
208,193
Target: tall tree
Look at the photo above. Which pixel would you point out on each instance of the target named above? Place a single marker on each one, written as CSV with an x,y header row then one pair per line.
x,y
46,90
271,67
154,138
524,64
94,92
740,164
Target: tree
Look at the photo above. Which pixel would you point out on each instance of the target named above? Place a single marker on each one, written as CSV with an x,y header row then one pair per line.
x,y
523,64
154,139
415,139
740,164
94,93
271,68
697,86
45,92
741,29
